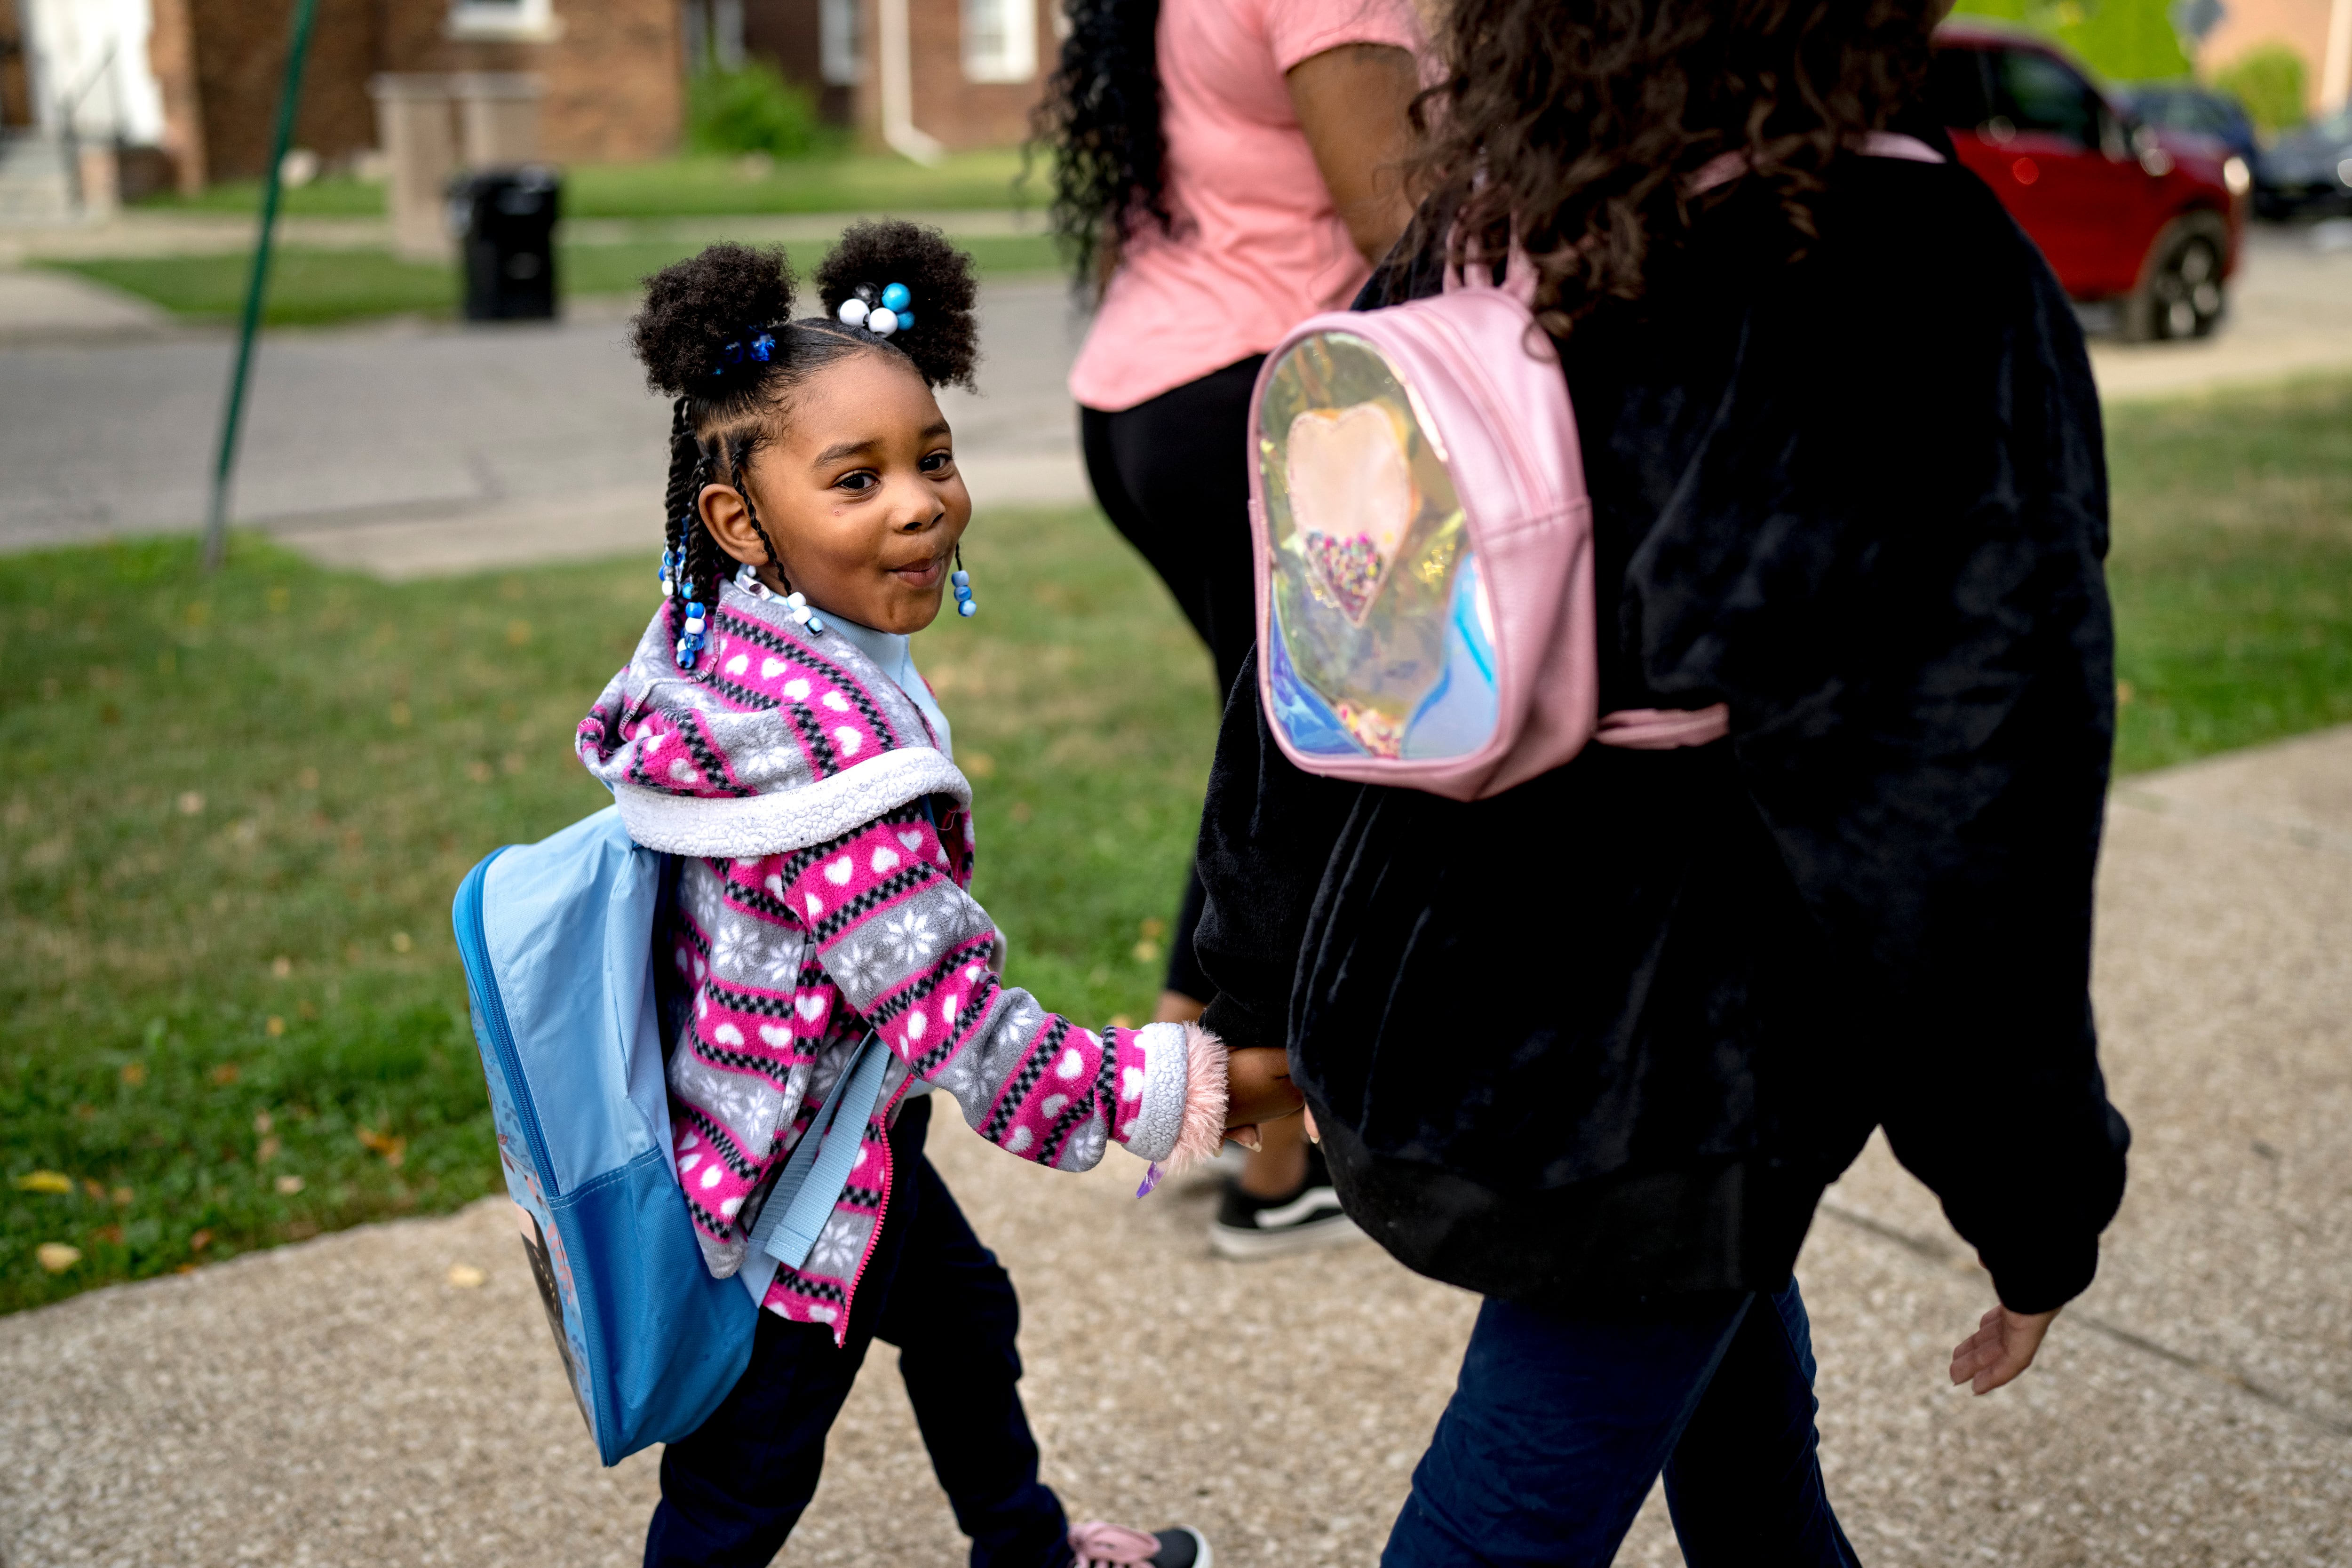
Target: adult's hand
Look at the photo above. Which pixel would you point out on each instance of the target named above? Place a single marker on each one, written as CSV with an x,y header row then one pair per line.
x,y
1353,103
2004,1345
1258,1089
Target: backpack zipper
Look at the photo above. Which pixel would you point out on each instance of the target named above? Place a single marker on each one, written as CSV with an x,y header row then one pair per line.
x,y
474,946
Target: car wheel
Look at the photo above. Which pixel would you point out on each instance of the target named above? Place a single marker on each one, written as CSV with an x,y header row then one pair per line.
x,y
2180,292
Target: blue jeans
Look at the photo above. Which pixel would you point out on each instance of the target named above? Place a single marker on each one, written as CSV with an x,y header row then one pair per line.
x,y
732,1492
1559,1426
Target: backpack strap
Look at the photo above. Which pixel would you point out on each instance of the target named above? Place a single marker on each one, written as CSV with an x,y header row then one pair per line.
x,y
810,1184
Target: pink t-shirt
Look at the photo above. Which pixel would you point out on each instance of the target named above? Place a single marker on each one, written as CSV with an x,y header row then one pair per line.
x,y
1258,245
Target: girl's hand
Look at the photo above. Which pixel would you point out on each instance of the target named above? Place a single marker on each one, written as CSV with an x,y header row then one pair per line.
x,y
2004,1345
1258,1089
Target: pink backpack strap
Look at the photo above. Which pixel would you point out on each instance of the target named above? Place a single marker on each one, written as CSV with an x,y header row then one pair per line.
x,y
1726,166
1518,271
1663,729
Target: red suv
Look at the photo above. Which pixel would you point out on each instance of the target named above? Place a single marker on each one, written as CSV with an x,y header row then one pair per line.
x,y
2123,211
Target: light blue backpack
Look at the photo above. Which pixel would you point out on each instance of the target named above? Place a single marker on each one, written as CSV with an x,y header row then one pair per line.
x,y
557,939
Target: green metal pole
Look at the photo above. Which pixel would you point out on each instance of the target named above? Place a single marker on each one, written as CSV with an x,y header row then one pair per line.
x,y
233,414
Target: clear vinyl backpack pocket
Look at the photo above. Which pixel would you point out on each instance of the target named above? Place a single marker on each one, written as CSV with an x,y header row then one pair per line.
x,y
1380,640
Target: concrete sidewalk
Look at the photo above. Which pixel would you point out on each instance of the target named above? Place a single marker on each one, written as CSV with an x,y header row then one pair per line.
x,y
342,1401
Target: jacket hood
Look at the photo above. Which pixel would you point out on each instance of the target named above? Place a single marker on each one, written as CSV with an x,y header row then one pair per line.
x,y
777,740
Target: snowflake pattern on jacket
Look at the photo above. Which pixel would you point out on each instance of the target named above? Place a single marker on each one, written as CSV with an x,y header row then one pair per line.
x,y
826,847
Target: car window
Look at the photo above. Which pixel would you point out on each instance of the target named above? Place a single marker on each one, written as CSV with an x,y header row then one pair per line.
x,y
2036,93
1956,89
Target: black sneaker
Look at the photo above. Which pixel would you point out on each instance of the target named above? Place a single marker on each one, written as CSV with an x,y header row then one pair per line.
x,y
1248,1228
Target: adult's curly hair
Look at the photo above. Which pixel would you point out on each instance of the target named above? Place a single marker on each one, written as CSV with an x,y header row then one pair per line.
x,y
1582,121
1100,120
701,316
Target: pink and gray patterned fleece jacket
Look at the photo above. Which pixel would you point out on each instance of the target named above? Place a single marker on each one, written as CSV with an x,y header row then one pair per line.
x,y
817,902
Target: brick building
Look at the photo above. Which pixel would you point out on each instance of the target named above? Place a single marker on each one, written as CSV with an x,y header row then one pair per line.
x,y
612,72
908,73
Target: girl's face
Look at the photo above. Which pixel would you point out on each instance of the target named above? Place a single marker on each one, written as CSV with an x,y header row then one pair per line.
x,y
859,491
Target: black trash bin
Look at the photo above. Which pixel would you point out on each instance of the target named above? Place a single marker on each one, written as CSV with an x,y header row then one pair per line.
x,y
505,222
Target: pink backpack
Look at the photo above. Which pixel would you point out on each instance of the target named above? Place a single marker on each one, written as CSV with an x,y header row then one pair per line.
x,y
1425,545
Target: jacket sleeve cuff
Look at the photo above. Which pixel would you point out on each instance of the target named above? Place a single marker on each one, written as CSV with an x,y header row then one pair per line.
x,y
1173,1092
1240,1028
2044,1275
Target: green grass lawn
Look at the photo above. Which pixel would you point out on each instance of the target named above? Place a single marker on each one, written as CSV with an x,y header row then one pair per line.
x,y
233,1014
700,187
237,809
311,287
2231,569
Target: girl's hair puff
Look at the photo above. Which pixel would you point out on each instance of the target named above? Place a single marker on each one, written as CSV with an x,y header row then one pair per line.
x,y
944,342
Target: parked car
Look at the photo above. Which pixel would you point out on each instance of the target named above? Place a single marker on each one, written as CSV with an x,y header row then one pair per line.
x,y
2124,210
2310,169
2196,111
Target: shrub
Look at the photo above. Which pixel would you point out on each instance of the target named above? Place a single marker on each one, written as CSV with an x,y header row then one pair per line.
x,y
2268,80
753,109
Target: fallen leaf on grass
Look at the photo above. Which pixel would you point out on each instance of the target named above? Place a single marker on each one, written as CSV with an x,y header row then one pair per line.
x,y
44,1182
289,1185
110,1233
57,1257
399,943
224,1075
262,1122
392,1148
465,1275
266,1149
94,1187
135,1073
199,1241
122,1196
275,1027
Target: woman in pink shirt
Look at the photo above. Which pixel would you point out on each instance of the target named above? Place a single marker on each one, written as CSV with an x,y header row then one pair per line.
x,y
1222,168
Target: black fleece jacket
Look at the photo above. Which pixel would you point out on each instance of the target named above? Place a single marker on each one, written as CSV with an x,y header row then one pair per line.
x,y
1608,1035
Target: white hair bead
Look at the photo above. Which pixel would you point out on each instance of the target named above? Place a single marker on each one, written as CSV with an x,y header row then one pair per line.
x,y
852,311
882,321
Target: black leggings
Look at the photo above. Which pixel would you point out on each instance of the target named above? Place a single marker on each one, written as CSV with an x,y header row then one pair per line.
x,y
1173,474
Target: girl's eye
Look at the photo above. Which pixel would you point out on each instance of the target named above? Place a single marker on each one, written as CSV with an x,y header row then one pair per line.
x,y
937,462
857,480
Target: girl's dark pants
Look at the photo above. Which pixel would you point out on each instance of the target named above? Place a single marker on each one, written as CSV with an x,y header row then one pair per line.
x,y
731,1492
1559,1426
1173,474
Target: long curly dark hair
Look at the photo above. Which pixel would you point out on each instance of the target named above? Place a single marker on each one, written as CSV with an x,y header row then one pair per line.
x,y
1582,121
1100,119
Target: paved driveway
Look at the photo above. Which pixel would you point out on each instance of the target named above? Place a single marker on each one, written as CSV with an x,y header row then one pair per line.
x,y
416,448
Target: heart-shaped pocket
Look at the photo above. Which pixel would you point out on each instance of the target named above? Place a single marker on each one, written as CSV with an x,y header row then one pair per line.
x,y
1352,497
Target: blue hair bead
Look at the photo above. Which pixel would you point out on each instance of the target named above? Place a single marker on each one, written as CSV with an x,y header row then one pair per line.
x,y
967,609
895,297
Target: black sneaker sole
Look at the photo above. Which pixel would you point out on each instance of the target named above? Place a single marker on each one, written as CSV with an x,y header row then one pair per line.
x,y
1247,1244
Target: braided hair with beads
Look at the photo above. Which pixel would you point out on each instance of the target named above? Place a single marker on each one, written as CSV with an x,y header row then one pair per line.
x,y
717,336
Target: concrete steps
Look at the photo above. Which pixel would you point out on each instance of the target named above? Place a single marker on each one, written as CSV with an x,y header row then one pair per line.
x,y
36,181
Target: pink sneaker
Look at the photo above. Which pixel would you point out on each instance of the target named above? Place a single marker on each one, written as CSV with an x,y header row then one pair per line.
x,y
1095,1544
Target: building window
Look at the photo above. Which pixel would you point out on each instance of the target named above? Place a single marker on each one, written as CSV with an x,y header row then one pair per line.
x,y
840,58
1000,40
520,21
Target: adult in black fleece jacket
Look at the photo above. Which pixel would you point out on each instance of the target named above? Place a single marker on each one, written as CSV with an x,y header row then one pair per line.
x,y
1598,1043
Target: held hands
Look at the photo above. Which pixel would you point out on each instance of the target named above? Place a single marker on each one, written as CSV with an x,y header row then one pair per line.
x,y
1258,1089
2003,1346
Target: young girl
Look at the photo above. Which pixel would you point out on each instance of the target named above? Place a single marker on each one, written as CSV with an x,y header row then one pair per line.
x,y
771,732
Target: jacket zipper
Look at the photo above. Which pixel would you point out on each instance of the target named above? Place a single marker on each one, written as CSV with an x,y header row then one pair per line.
x,y
475,947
